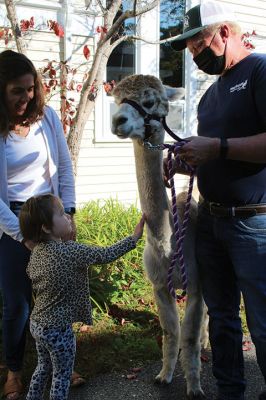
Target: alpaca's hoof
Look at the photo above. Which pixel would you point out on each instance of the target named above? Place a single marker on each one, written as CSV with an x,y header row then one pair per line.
x,y
196,395
163,378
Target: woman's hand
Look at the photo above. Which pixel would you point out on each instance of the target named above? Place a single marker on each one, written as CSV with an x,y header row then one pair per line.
x,y
30,244
138,231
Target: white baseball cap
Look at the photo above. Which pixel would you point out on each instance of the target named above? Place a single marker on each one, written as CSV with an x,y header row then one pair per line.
x,y
199,17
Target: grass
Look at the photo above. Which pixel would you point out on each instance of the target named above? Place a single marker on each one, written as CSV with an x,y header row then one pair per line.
x,y
126,332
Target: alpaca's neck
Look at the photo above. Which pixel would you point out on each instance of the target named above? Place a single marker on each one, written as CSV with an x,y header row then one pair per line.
x,y
152,192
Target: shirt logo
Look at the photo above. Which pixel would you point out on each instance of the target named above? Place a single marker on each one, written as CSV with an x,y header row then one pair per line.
x,y
239,86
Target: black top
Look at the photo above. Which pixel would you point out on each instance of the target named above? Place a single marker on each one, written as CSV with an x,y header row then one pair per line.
x,y
234,106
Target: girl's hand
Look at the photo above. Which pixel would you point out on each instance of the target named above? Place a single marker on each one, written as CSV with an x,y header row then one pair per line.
x,y
138,232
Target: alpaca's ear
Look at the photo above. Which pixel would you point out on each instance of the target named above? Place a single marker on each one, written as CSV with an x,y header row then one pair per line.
x,y
174,93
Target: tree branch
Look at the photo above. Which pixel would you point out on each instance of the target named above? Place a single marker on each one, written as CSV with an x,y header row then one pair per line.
x,y
136,37
103,10
126,15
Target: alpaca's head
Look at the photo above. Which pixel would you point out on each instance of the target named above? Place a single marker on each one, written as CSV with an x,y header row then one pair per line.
x,y
149,92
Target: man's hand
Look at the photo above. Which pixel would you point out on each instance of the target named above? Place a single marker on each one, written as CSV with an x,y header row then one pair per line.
x,y
199,150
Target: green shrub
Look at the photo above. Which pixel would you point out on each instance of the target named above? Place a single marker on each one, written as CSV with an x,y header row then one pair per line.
x,y
123,281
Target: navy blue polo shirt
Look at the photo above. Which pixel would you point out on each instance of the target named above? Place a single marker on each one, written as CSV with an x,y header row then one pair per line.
x,y
234,106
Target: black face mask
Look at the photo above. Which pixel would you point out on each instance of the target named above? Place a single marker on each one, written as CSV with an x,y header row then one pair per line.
x,y
207,61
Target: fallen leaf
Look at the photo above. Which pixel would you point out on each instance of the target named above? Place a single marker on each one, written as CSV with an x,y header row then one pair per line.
x,y
136,369
246,345
131,376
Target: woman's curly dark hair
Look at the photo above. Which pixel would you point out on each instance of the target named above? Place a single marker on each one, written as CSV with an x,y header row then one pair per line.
x,y
13,65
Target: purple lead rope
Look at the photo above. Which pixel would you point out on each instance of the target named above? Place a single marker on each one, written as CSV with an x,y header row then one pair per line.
x,y
179,233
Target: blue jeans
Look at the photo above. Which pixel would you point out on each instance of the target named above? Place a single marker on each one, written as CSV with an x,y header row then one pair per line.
x,y
15,289
231,253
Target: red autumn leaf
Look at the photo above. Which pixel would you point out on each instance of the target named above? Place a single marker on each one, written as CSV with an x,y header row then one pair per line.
x,y
78,88
54,26
52,73
2,32
52,82
204,357
131,376
159,341
136,369
25,24
246,345
99,29
86,52
59,30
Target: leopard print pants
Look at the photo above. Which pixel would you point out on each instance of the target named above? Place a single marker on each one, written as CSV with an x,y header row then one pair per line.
x,y
56,350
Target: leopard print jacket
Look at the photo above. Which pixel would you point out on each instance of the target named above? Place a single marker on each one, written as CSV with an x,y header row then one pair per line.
x,y
59,275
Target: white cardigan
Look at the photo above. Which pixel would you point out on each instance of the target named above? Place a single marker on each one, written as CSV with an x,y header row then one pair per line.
x,y
60,170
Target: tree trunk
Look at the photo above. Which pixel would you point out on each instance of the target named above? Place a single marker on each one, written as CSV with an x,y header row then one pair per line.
x,y
12,16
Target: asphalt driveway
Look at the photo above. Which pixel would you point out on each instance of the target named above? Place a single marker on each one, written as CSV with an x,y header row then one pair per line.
x,y
117,386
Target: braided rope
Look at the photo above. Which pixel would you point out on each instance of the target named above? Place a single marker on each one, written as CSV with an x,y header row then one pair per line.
x,y
179,232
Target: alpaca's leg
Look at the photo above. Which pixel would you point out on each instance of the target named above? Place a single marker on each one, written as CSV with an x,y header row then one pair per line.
x,y
204,334
169,321
190,344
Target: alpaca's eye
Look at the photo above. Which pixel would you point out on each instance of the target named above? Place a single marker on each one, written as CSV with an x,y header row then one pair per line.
x,y
148,104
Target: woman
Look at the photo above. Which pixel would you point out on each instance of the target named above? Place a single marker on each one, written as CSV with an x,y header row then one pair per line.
x,y
34,160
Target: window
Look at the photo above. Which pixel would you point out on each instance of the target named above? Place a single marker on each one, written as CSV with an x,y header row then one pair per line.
x,y
171,61
122,60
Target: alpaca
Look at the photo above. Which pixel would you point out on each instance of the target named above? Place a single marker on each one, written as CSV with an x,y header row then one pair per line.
x,y
127,122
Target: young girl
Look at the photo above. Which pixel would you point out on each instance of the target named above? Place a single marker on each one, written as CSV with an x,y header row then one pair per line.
x,y
59,275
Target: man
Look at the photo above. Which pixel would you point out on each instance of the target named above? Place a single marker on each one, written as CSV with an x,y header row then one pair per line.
x,y
230,155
